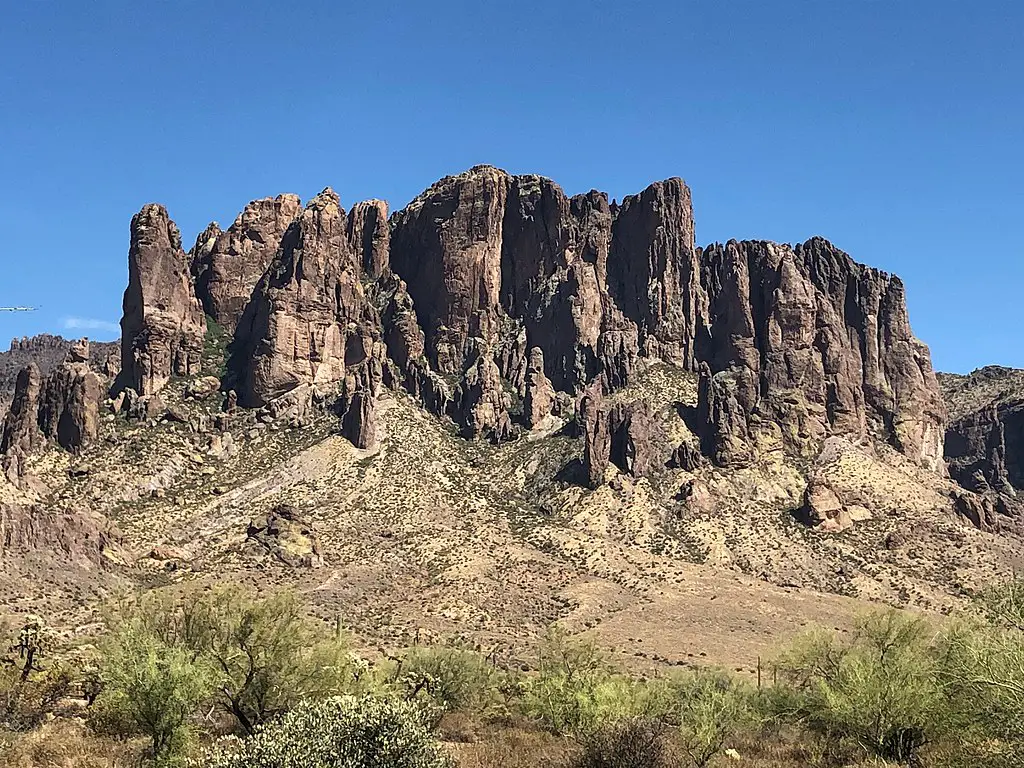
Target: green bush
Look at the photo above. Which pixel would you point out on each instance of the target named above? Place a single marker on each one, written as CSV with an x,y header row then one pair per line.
x,y
340,732
984,671
576,693
566,695
266,656
453,679
32,681
150,689
629,743
881,690
713,707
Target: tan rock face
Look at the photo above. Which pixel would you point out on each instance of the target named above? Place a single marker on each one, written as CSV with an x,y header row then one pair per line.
x,y
540,395
823,509
488,287
62,407
21,436
654,273
227,265
163,327
69,406
823,346
305,310
65,534
370,236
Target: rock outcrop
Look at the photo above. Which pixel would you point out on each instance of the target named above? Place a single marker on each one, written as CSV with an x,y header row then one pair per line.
x,y
21,436
540,395
68,534
491,290
805,339
46,352
226,265
308,319
163,328
288,535
984,444
369,236
69,405
63,407
624,434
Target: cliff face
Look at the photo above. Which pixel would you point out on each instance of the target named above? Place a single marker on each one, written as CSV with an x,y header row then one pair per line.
x,y
814,343
226,265
984,442
163,327
497,300
62,407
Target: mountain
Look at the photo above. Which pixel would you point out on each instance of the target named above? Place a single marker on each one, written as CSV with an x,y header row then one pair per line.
x,y
500,406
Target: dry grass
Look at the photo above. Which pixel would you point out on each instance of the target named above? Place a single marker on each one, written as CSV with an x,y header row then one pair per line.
x,y
65,744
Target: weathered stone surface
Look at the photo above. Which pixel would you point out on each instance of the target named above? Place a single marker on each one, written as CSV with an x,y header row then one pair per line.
x,y
357,405
65,534
597,440
490,286
984,444
723,411
69,406
46,352
21,436
163,327
369,236
226,265
686,456
305,311
823,509
653,270
63,408
540,395
288,535
481,402
635,438
817,344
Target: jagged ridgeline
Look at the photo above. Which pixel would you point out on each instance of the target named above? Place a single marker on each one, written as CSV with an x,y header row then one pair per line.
x,y
496,300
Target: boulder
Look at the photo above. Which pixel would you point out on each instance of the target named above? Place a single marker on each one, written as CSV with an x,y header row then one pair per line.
x,y
288,535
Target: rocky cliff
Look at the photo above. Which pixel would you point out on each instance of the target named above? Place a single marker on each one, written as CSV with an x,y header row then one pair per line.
x,y
497,301
499,381
46,352
163,326
984,442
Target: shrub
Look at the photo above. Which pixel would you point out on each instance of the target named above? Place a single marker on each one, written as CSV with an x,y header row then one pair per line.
x,y
340,732
265,654
713,707
880,691
984,671
565,695
31,681
455,680
629,743
150,689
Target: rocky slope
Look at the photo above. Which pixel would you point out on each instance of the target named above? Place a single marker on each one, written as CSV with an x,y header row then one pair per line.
x,y
540,398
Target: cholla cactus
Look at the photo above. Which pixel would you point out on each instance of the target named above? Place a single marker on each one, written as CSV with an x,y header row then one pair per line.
x,y
341,732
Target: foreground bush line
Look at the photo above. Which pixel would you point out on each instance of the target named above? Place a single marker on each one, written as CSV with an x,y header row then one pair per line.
x,y
224,679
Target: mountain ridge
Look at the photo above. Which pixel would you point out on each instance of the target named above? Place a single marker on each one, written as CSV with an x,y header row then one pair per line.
x,y
524,399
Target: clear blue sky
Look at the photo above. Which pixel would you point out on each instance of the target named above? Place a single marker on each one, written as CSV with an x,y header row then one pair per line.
x,y
894,128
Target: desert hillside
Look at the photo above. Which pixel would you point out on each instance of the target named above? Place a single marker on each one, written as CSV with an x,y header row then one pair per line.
x,y
499,408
